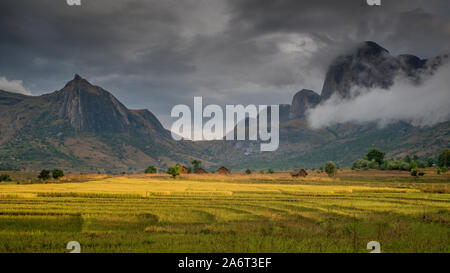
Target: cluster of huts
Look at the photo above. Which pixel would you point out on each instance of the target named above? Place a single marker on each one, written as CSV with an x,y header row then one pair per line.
x,y
221,170
225,171
299,173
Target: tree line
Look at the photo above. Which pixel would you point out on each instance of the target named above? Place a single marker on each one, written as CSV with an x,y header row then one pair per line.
x,y
374,159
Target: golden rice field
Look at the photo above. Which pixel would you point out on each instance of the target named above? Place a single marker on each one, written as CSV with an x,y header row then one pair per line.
x,y
236,213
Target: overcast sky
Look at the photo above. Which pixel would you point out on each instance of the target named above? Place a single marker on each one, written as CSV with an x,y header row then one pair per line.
x,y
156,54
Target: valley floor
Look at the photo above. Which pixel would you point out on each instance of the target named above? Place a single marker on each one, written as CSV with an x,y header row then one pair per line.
x,y
236,213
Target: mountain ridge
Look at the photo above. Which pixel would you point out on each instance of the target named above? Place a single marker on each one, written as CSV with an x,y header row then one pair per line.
x,y
84,128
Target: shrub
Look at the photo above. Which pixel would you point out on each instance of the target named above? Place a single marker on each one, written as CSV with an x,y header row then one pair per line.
x,y
248,171
56,173
374,164
261,171
438,171
430,162
44,174
174,171
330,168
5,177
270,171
415,172
387,164
404,166
444,169
150,169
420,164
391,164
360,164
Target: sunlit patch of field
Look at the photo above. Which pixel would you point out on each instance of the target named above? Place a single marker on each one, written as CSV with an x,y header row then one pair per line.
x,y
236,213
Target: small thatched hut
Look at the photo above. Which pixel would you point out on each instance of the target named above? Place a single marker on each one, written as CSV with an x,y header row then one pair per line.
x,y
184,170
223,170
299,173
200,171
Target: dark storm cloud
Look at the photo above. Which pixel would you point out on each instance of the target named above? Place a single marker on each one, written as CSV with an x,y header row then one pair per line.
x,y
155,54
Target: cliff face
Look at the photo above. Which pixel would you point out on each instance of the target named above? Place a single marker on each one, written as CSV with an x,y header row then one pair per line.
x,y
302,101
370,66
83,127
367,66
90,108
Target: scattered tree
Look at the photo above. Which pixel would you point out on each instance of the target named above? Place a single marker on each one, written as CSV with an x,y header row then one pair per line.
x,y
56,173
151,169
174,171
196,164
44,175
376,154
270,171
248,171
407,159
330,168
375,160
444,158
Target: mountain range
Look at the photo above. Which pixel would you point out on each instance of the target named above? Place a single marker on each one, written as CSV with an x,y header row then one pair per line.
x,y
84,128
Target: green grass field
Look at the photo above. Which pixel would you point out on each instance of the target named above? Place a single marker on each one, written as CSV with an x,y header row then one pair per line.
x,y
237,213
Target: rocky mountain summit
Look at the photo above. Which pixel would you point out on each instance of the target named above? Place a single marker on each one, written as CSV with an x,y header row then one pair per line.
x,y
83,127
370,66
93,109
367,66
302,101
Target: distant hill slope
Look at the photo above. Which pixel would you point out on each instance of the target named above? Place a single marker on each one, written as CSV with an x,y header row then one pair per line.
x,y
8,98
308,148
